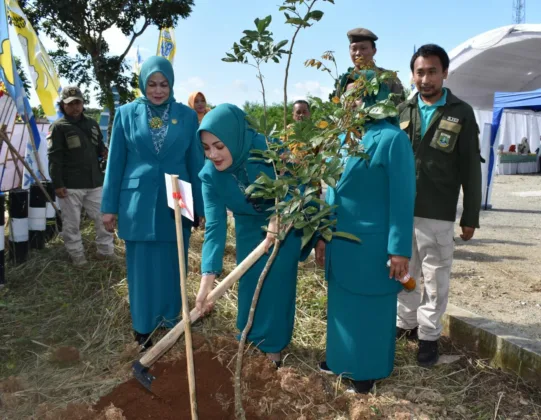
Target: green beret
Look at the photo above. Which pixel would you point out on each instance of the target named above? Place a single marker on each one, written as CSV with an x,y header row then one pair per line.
x,y
361,34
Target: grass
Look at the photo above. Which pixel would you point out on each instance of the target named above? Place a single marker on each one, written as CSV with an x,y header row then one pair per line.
x,y
48,305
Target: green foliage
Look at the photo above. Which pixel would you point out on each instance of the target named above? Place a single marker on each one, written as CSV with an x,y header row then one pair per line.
x,y
309,151
22,76
94,113
275,113
38,112
84,22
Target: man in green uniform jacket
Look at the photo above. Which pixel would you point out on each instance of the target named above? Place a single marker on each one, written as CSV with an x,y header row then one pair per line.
x,y
75,143
362,49
445,141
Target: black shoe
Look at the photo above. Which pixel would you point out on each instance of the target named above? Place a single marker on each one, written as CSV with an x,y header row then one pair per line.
x,y
143,340
277,363
361,387
410,335
324,368
428,354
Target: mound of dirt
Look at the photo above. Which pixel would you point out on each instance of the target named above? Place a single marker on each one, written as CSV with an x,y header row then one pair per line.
x,y
268,393
169,399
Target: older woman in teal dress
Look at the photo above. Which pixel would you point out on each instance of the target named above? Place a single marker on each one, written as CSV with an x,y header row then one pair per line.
x,y
151,136
375,200
228,142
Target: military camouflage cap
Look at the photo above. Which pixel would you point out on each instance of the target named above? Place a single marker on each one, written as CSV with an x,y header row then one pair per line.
x,y
361,34
71,93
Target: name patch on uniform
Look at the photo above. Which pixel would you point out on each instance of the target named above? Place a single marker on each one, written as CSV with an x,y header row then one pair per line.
x,y
73,142
453,120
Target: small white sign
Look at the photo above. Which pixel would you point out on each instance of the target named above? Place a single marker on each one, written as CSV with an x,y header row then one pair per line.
x,y
186,196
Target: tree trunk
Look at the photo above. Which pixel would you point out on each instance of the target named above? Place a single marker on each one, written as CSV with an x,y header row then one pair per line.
x,y
105,85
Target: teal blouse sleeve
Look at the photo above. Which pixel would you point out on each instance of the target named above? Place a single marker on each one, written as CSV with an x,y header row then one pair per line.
x,y
196,160
401,172
215,231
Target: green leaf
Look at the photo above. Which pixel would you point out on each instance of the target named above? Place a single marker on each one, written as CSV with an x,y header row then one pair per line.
x,y
307,235
327,234
251,188
281,44
315,15
297,22
346,235
331,182
251,34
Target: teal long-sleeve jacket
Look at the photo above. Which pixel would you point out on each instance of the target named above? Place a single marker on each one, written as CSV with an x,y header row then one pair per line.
x,y
375,200
134,185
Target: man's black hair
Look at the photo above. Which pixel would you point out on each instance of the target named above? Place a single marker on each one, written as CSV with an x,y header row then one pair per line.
x,y
431,50
302,101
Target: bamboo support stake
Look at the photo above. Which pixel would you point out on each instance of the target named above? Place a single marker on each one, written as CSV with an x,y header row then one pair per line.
x,y
184,296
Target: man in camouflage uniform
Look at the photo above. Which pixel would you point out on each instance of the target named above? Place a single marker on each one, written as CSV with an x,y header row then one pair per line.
x,y
362,49
75,143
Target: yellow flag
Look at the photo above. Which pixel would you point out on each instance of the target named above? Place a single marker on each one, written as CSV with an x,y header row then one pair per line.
x,y
41,67
166,44
6,60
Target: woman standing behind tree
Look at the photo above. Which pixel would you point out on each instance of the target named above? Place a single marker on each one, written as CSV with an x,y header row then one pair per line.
x,y
198,103
151,136
375,200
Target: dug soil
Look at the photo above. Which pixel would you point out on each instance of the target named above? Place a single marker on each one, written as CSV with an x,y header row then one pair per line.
x,y
267,393
169,399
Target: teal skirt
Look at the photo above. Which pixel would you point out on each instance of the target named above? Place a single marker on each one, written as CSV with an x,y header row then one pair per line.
x,y
154,283
361,333
275,313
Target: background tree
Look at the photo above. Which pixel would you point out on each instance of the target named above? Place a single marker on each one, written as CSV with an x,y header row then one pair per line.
x,y
22,76
275,112
38,112
84,22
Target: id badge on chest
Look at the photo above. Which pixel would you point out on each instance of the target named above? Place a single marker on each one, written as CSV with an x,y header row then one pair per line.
x,y
446,135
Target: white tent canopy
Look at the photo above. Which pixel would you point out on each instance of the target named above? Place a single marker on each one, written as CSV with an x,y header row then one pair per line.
x,y
504,59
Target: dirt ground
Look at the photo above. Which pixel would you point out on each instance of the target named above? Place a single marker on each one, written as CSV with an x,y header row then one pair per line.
x,y
497,274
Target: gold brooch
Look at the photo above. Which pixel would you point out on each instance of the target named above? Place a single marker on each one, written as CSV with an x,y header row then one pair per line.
x,y
156,123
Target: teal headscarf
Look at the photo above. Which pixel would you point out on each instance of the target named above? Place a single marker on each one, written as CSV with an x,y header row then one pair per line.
x,y
228,123
153,65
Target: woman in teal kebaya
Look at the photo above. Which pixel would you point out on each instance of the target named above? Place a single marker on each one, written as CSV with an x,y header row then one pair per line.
x,y
152,136
228,142
375,200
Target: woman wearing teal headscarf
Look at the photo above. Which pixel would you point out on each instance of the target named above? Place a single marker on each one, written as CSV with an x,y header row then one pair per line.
x,y
228,142
152,136
375,200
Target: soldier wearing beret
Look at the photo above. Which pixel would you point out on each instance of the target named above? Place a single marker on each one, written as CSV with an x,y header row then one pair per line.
x,y
362,49
75,143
